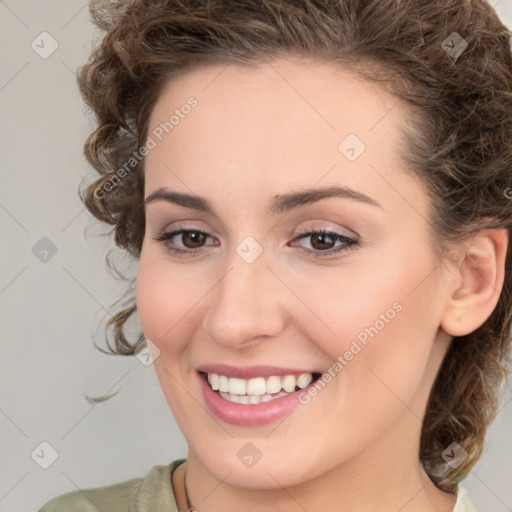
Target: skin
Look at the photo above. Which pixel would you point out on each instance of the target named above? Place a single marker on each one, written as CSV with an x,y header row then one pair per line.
x,y
273,129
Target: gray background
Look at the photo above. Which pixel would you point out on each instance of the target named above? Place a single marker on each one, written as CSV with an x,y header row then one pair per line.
x,y
51,309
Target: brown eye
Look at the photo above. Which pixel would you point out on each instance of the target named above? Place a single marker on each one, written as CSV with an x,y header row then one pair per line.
x,y
184,241
193,239
323,243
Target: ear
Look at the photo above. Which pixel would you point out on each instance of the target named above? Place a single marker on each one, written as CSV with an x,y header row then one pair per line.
x,y
479,272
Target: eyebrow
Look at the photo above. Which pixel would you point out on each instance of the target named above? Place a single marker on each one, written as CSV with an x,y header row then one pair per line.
x,y
281,203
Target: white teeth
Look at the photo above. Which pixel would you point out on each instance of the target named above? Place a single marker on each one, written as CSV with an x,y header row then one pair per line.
x,y
237,386
223,383
259,389
304,379
289,383
257,386
250,399
213,379
234,398
273,384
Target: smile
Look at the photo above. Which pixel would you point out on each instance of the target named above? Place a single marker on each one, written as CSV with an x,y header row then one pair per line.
x,y
259,389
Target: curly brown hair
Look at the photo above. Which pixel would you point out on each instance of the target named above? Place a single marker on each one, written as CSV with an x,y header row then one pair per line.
x,y
461,148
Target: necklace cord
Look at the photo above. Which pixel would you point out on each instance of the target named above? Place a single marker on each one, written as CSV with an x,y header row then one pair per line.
x,y
189,505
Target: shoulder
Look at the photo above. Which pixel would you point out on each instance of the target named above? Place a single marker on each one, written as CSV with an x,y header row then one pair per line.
x,y
152,492
463,504
111,498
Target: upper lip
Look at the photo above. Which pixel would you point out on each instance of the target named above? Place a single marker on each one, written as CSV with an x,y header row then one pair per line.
x,y
249,372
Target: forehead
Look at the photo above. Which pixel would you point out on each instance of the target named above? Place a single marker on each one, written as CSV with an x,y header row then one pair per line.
x,y
330,98
263,126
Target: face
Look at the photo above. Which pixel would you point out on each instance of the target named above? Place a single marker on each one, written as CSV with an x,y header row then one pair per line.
x,y
308,254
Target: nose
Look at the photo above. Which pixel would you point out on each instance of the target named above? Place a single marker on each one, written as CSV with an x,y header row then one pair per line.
x,y
246,304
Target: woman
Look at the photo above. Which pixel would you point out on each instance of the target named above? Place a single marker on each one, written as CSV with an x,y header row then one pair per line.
x,y
318,194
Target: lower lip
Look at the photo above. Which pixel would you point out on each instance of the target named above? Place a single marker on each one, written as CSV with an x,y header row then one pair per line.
x,y
249,414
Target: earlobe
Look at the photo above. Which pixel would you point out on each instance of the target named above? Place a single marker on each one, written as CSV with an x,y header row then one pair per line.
x,y
480,273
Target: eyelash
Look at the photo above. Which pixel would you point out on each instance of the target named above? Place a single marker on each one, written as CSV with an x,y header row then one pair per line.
x,y
348,243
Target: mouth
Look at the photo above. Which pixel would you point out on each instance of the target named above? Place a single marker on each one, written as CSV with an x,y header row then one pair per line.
x,y
257,390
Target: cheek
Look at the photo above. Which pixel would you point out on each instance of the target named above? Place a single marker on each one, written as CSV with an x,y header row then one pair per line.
x,y
164,298
165,306
378,322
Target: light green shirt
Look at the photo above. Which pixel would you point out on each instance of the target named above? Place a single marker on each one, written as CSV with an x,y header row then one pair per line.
x,y
152,493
